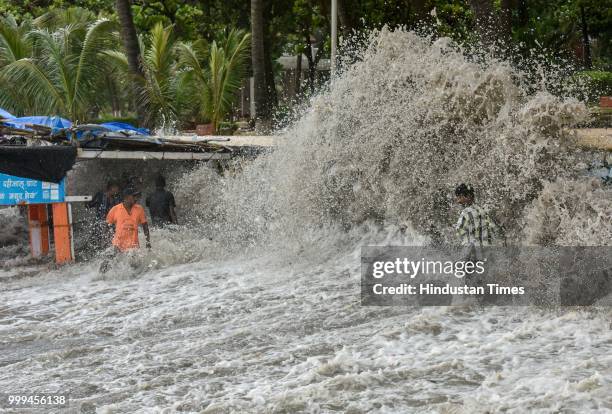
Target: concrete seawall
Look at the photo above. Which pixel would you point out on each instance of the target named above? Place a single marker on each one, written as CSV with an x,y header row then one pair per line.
x,y
587,137
600,138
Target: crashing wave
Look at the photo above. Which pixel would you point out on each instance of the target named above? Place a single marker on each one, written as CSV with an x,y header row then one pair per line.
x,y
389,141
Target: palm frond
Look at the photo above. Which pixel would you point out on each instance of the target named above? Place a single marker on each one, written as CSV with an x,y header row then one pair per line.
x,y
188,102
159,64
115,58
190,56
85,74
227,69
67,62
52,60
58,18
64,64
13,42
34,83
159,55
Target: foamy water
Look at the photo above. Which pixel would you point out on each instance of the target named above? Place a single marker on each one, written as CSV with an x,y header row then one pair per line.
x,y
254,305
289,335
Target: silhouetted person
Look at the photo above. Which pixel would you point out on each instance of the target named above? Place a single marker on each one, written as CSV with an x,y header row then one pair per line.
x,y
161,204
130,181
103,201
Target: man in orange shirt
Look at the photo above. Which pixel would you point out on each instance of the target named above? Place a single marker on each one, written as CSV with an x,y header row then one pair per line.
x,y
126,217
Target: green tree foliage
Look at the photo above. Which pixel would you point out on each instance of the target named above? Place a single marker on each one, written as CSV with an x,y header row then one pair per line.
x,y
71,64
70,61
556,25
159,64
221,78
189,81
14,46
63,70
192,19
30,9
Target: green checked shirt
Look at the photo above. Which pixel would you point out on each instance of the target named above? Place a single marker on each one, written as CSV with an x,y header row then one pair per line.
x,y
475,227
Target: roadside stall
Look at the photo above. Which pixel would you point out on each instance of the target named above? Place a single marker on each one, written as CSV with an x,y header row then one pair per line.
x,y
34,178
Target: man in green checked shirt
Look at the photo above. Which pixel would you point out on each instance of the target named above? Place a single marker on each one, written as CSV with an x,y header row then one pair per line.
x,y
475,227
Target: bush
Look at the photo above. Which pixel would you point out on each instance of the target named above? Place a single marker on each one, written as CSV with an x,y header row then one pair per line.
x,y
598,83
227,128
109,118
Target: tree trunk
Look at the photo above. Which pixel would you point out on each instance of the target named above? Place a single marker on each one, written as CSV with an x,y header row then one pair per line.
x,y
506,19
345,18
272,96
114,96
132,50
298,75
484,19
317,59
419,9
310,58
262,110
523,13
586,43
313,62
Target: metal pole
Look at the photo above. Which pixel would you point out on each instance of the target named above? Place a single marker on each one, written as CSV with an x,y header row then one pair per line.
x,y
334,35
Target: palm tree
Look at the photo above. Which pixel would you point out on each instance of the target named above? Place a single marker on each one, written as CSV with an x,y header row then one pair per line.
x,y
57,18
262,108
219,81
13,42
61,74
133,51
14,45
485,19
586,44
159,90
159,66
63,63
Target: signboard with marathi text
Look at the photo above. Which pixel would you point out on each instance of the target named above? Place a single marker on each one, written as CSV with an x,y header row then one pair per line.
x,y
19,190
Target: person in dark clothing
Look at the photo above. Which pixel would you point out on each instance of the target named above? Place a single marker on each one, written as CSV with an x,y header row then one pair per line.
x,y
103,201
161,204
130,181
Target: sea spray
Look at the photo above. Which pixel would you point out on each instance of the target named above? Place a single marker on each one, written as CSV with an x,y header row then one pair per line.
x,y
570,213
382,147
391,138
13,233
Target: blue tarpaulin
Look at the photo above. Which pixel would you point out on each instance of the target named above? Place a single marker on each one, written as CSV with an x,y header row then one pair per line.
x,y
54,122
5,115
57,123
123,126
104,136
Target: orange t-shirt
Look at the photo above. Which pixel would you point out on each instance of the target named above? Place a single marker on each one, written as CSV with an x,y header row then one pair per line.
x,y
126,225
